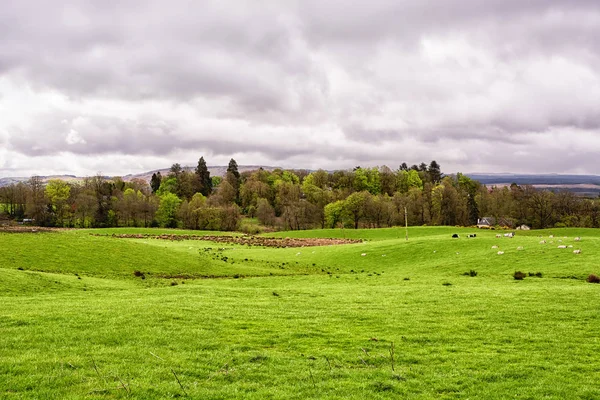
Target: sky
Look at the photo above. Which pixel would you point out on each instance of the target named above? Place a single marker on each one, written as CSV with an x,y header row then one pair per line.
x,y
121,87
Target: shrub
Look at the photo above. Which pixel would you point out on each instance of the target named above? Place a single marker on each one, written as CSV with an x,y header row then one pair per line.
x,y
593,278
138,274
471,273
518,275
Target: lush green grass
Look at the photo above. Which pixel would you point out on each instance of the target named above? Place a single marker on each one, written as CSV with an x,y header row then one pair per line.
x,y
321,326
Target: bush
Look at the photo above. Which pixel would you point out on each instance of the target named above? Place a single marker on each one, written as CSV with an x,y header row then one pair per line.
x,y
471,273
593,278
518,275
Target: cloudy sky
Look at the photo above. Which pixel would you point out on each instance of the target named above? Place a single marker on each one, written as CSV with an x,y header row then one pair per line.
x,y
122,87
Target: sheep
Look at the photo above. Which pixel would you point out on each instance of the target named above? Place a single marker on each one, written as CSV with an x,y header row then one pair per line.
x,y
494,247
498,236
520,248
543,242
551,236
363,254
455,236
578,251
562,246
500,253
577,239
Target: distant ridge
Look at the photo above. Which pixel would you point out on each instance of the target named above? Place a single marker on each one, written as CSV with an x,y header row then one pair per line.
x,y
583,185
214,171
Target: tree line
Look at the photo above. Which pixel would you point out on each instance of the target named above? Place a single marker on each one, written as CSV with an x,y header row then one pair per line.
x,y
291,200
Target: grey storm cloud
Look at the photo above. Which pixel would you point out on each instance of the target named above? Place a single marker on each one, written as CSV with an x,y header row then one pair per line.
x,y
359,81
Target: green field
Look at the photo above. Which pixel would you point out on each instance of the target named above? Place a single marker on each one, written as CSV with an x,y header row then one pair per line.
x,y
214,321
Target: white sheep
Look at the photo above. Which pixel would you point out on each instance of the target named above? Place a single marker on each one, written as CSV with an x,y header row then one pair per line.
x,y
577,251
562,247
494,247
500,253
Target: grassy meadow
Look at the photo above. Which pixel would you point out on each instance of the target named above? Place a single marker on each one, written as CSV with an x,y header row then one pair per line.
x,y
85,315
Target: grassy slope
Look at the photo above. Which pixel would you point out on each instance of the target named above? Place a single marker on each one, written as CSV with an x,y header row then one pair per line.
x,y
300,336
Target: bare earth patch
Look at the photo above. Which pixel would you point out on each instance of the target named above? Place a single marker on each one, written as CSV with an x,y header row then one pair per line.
x,y
246,240
28,229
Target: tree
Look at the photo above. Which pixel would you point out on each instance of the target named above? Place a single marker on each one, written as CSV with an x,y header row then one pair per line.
x,y
435,172
155,181
37,204
355,206
203,178
233,177
58,192
265,212
167,210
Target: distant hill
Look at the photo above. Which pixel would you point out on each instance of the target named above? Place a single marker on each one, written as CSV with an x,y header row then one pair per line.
x,y
584,185
214,171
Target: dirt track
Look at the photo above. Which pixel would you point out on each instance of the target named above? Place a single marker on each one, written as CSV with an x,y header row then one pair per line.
x,y
247,240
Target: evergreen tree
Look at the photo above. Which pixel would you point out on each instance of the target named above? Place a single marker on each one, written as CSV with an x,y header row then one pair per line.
x,y
435,172
203,177
233,168
155,181
233,178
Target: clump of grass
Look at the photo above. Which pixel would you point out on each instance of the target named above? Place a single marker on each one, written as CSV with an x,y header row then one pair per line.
x,y
536,274
519,276
447,284
592,278
471,273
275,294
174,283
139,274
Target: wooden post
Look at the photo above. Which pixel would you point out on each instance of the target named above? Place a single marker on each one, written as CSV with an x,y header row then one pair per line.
x,y
406,222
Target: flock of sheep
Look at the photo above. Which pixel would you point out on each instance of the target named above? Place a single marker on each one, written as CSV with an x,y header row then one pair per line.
x,y
562,246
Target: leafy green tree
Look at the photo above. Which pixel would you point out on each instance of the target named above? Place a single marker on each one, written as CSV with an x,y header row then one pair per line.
x,y
167,210
168,185
367,179
355,206
335,213
58,193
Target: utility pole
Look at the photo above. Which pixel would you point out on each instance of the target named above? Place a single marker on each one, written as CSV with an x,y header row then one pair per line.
x,y
406,222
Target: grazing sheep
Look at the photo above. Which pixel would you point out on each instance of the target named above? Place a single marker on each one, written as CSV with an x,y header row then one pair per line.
x,y
500,253
363,254
520,248
509,235
494,247
543,242
455,236
562,247
472,235
577,239
551,236
577,251
498,236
